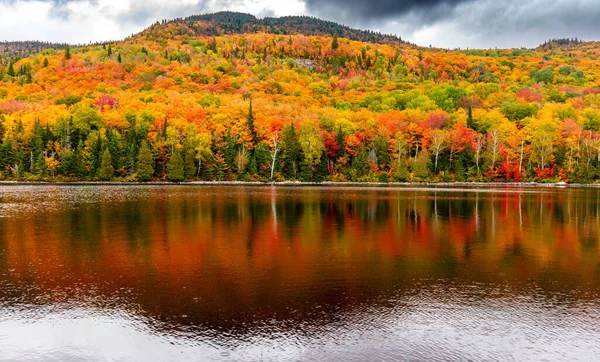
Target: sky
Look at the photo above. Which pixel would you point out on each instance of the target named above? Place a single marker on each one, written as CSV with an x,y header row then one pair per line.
x,y
440,23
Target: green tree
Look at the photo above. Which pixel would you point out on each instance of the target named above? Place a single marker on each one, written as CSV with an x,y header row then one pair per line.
x,y
335,43
67,52
46,63
11,69
175,168
106,168
145,163
190,163
291,151
250,124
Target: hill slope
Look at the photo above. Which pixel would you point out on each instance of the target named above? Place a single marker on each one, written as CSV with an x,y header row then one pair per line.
x,y
238,23
179,101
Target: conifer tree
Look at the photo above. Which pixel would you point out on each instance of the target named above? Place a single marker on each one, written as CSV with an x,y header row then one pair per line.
x,y
291,151
145,163
46,63
67,52
335,43
250,123
175,168
107,170
11,69
190,163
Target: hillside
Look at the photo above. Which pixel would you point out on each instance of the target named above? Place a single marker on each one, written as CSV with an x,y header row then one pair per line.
x,y
237,23
18,49
232,97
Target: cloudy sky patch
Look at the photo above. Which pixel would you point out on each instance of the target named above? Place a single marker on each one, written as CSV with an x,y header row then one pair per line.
x,y
443,23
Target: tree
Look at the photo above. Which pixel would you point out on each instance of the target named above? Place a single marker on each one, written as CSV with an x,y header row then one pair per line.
x,y
190,163
335,43
250,124
312,147
107,170
11,69
241,160
175,168
274,149
119,58
291,151
145,163
438,144
67,52
46,62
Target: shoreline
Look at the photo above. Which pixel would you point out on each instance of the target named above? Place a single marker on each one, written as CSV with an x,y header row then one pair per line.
x,y
300,184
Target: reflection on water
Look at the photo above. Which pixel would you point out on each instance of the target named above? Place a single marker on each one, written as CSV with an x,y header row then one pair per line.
x,y
269,273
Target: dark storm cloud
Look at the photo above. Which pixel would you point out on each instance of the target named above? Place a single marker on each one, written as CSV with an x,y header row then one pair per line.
x,y
360,11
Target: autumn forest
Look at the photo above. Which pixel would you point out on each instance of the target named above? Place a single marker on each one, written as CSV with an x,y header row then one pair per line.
x,y
226,97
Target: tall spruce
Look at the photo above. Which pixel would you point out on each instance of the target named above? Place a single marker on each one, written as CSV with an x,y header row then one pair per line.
x,y
175,168
250,124
145,163
107,170
292,151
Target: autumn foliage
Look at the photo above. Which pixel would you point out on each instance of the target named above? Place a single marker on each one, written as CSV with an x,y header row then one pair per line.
x,y
323,108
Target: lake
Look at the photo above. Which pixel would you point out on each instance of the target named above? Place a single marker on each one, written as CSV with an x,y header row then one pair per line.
x,y
221,273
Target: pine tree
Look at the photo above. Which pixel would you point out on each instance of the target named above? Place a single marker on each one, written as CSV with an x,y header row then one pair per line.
x,y
46,63
11,69
340,140
335,43
106,168
110,50
67,52
175,168
250,123
145,163
470,123
291,151
119,58
401,174
190,164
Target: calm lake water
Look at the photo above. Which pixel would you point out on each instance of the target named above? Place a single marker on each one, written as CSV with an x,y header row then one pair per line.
x,y
171,273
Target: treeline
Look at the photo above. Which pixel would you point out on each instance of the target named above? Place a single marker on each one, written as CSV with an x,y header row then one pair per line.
x,y
82,148
239,23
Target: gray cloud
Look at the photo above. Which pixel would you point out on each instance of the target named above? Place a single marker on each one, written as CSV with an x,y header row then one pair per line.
x,y
446,23
373,11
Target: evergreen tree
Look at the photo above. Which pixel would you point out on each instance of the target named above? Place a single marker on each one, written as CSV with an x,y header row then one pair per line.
x,y
110,50
11,69
250,123
67,52
341,141
335,43
470,123
190,163
360,164
39,167
401,174
175,168
106,168
291,154
145,163
119,58
46,63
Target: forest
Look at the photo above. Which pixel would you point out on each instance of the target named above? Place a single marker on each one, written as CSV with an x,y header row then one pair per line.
x,y
228,97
